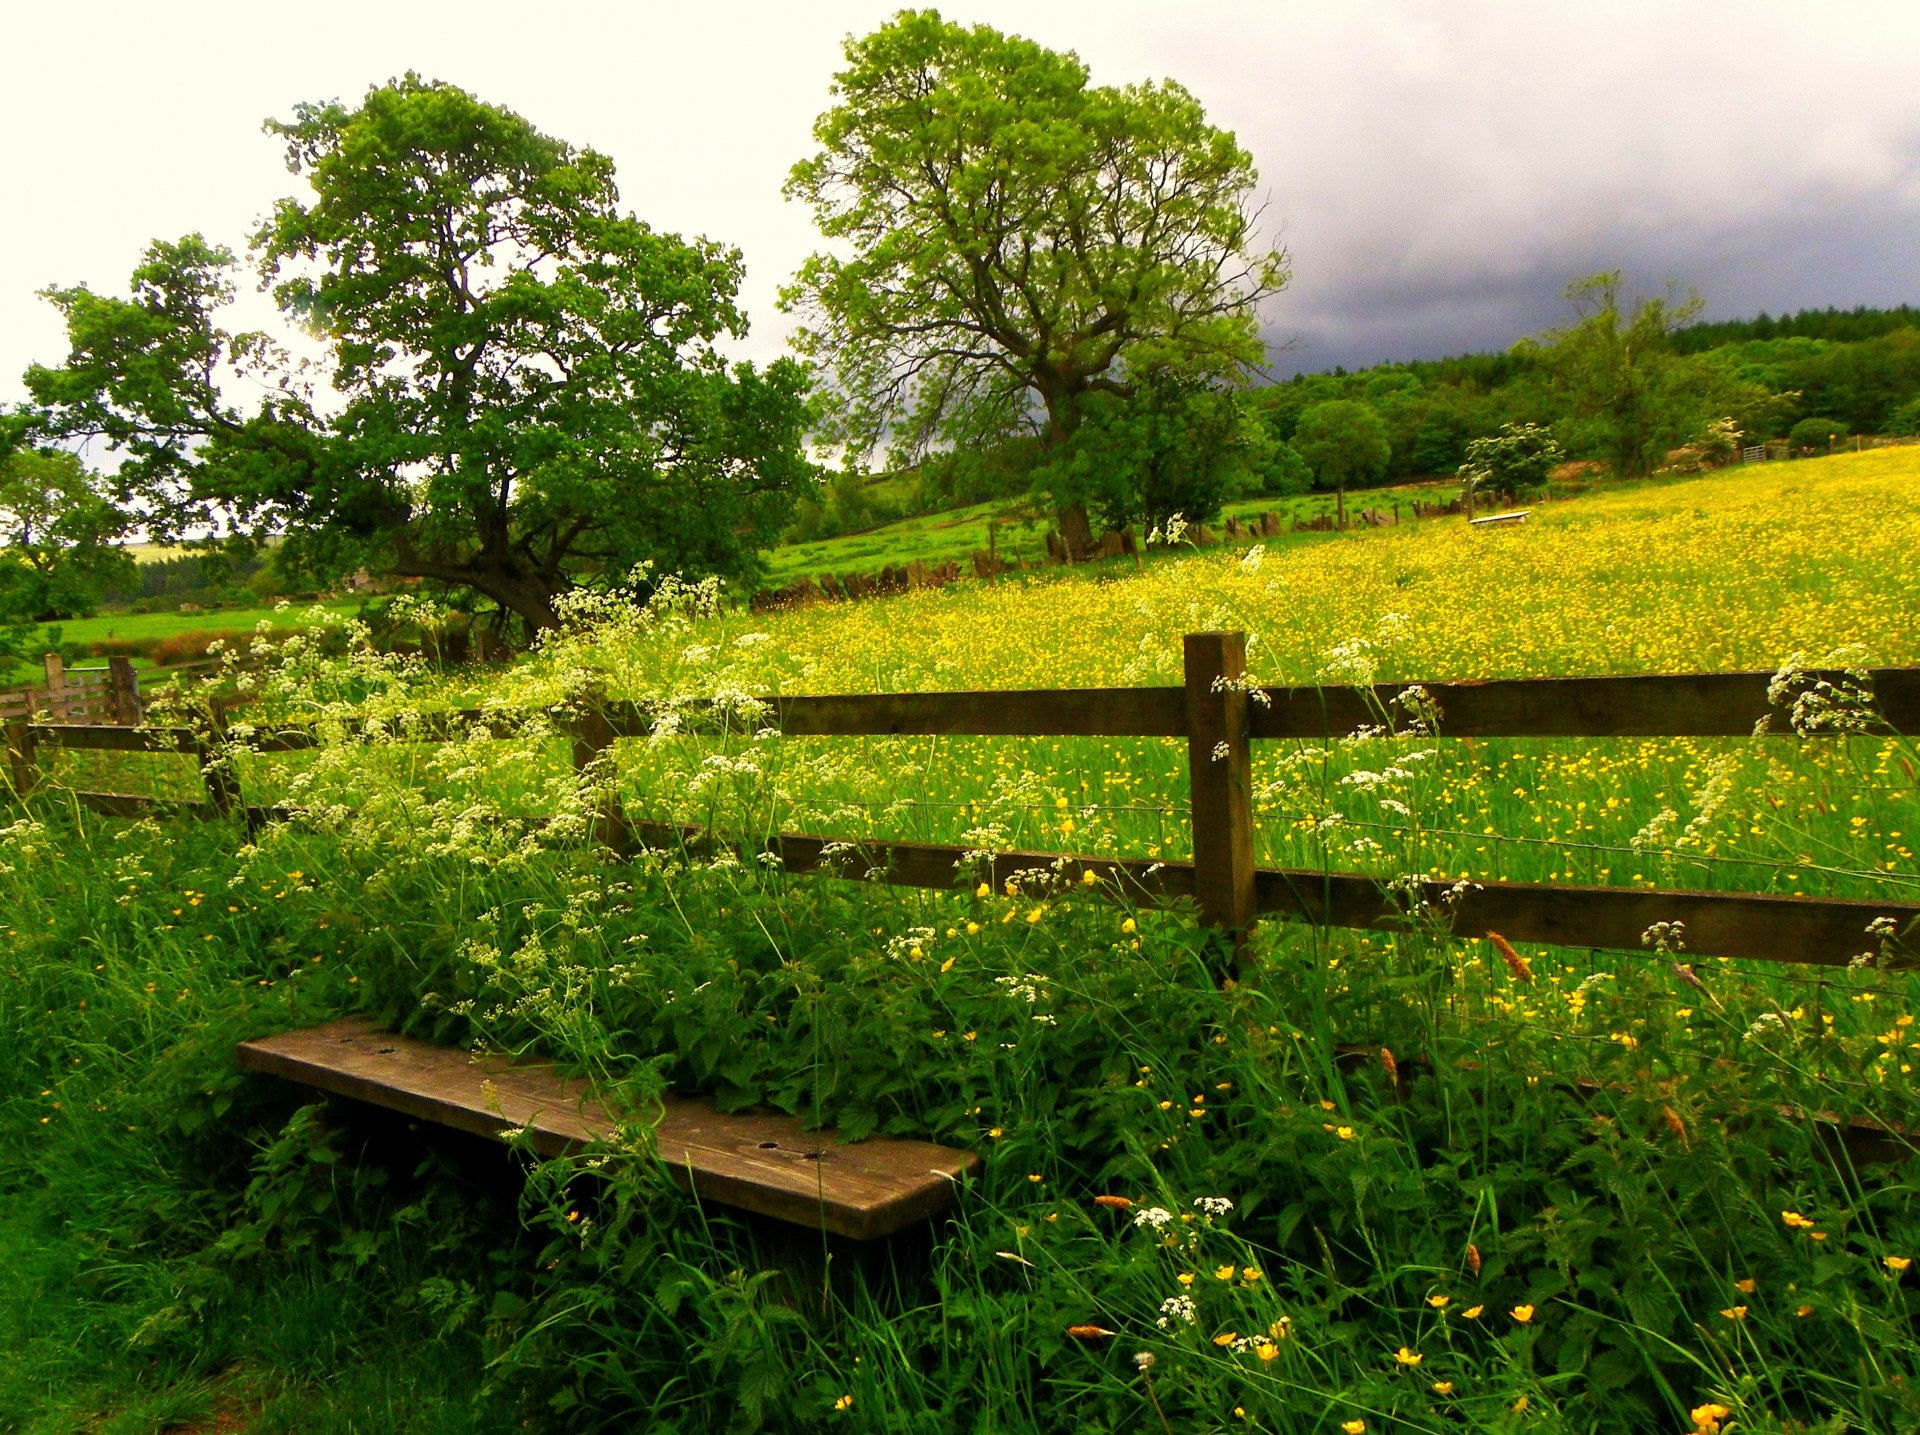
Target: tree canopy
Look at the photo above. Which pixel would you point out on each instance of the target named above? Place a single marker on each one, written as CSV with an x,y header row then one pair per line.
x,y
1626,397
60,534
1011,240
1343,442
523,388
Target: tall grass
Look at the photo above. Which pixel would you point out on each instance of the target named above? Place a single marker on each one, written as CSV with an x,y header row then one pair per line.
x,y
1384,1181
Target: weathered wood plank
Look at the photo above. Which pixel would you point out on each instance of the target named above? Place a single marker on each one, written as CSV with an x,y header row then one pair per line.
x,y
85,736
138,804
427,727
23,765
766,1163
1654,705
1823,931
1038,712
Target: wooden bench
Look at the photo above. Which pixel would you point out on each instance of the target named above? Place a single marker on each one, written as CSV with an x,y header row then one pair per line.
x,y
1494,520
769,1164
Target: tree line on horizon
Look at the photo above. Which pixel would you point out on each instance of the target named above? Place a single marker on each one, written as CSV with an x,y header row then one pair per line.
x,y
1034,287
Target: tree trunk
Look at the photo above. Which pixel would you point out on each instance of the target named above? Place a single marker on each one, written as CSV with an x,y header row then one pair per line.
x,y
528,597
1075,529
1340,506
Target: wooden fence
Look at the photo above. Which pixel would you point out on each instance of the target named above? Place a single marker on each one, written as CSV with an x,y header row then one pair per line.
x,y
1219,715
109,694
92,697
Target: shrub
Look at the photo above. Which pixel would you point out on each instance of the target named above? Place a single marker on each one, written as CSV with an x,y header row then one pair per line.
x,y
1816,433
192,646
1517,460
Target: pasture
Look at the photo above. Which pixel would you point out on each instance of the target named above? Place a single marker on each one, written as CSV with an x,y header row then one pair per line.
x,y
1377,1182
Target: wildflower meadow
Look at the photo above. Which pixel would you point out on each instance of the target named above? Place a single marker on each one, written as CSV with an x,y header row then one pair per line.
x,y
1398,1180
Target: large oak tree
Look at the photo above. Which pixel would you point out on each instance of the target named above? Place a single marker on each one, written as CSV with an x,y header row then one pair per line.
x,y
1009,240
521,390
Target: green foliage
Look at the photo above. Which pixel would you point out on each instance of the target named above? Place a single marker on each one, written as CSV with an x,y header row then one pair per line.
x,y
1177,444
1305,1217
1516,460
1010,238
60,533
1905,420
1839,326
1285,473
1819,434
1619,391
1344,443
530,393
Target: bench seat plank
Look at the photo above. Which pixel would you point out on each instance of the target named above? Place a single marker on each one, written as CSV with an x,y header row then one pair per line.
x,y
757,1161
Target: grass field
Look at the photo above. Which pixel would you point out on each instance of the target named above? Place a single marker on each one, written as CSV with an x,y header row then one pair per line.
x,y
144,628
1601,1207
955,534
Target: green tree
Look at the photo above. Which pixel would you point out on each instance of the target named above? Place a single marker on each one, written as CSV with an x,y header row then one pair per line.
x,y
1175,444
1344,442
527,389
1516,460
1627,396
1011,241
60,537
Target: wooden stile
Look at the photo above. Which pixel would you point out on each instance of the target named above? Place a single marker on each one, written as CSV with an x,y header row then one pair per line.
x,y
763,1162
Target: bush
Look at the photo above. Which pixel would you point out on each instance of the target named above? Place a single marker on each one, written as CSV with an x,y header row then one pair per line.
x,y
1516,461
1816,433
192,647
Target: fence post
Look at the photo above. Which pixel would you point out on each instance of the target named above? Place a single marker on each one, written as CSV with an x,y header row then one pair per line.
x,y
593,736
22,758
56,671
216,766
1220,772
123,692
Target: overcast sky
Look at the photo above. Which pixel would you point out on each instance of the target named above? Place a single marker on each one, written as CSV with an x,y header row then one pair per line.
x,y
1438,171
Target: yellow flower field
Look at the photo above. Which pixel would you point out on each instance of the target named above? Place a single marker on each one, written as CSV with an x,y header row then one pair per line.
x,y
1735,570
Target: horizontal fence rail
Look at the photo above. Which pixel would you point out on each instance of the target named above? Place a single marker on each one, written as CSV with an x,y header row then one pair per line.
x,y
1657,705
1219,714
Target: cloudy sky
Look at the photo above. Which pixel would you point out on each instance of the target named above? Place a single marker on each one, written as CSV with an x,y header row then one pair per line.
x,y
1438,171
